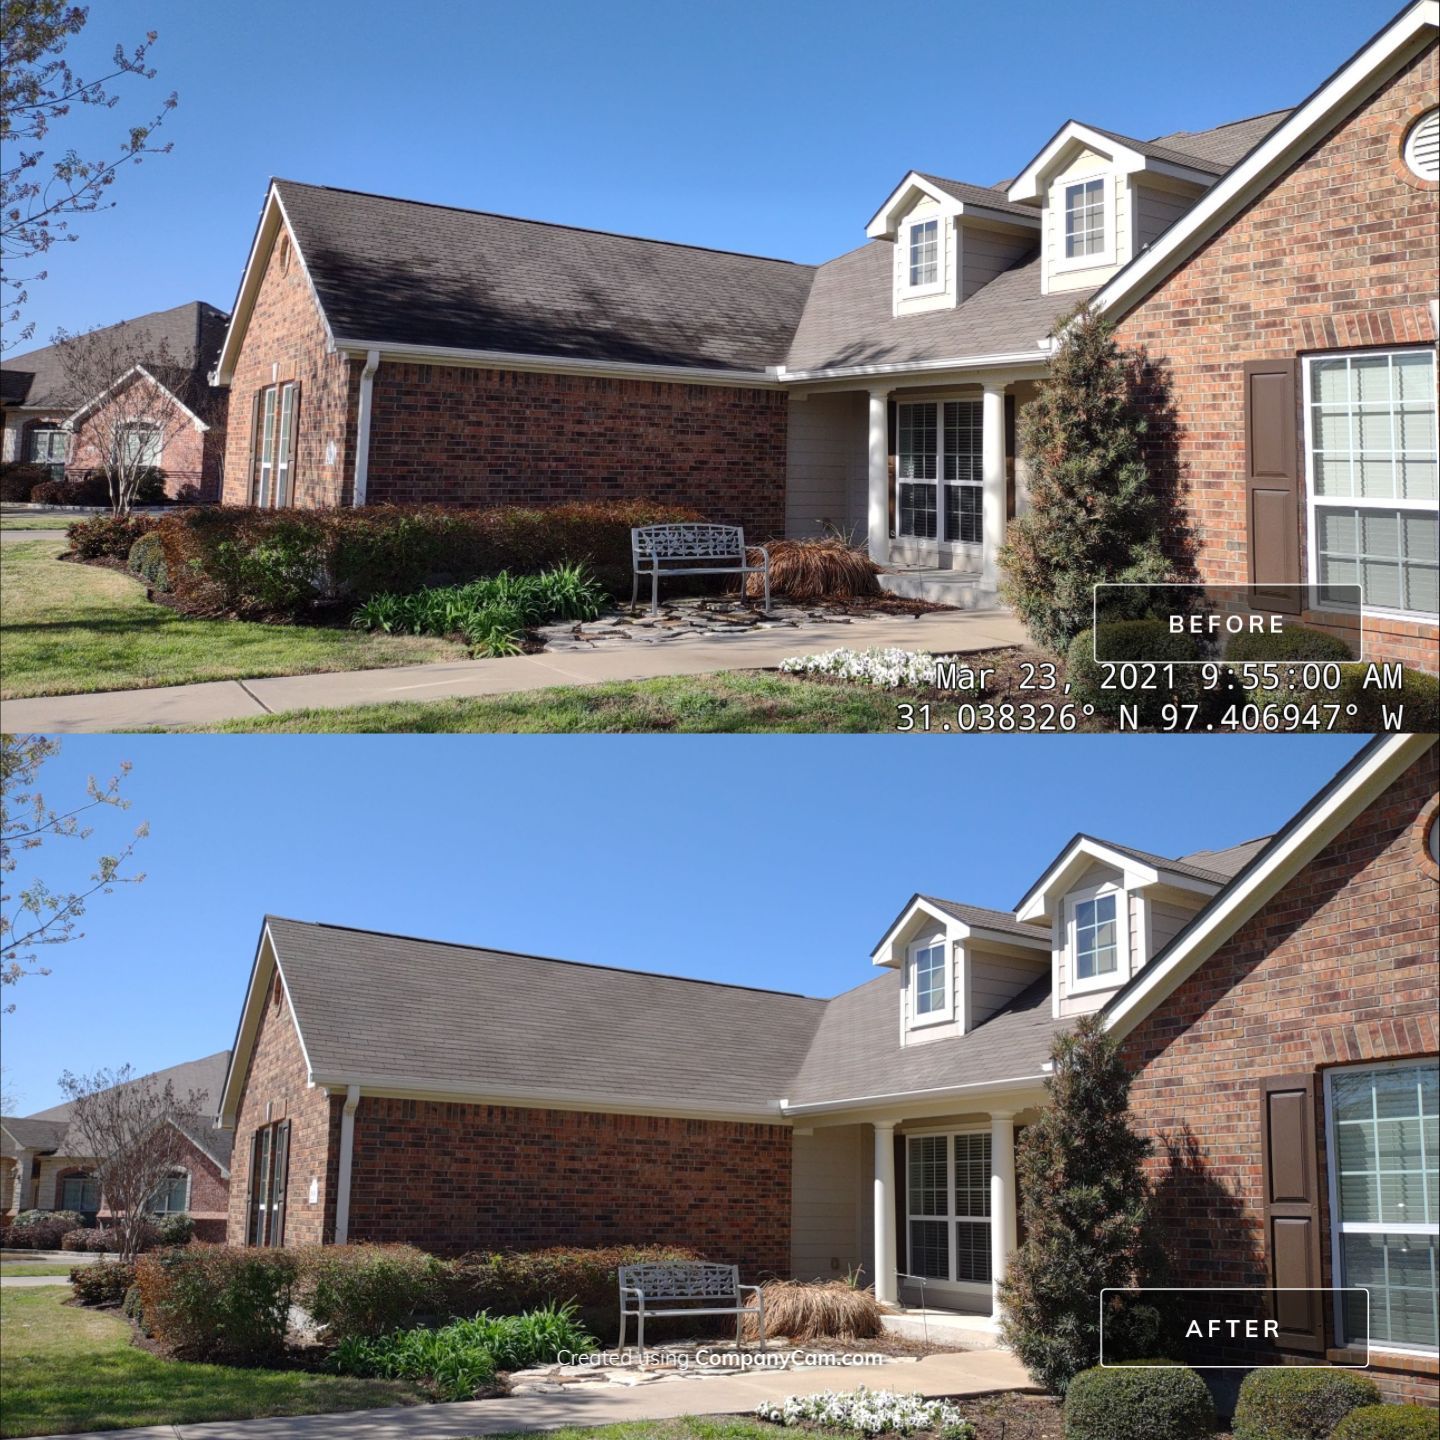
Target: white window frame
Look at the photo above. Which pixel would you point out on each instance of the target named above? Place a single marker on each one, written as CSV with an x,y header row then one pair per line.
x,y
1105,256
951,1217
56,467
1113,979
940,539
148,433
1356,1227
179,1174
946,1013
1423,125
930,287
1313,504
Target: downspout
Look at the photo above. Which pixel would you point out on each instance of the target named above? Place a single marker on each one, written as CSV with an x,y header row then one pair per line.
x,y
347,1151
362,426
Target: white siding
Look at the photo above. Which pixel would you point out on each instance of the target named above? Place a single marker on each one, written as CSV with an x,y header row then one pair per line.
x,y
1084,166
826,465
1170,912
986,253
1067,1003
995,980
926,208
829,1202
1156,210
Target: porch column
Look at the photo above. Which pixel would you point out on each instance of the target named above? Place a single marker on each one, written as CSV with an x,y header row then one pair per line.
x,y
1002,1199
878,511
886,1288
992,473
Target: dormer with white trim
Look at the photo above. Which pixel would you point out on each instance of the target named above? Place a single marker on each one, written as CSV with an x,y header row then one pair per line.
x,y
1110,910
1102,199
949,239
958,965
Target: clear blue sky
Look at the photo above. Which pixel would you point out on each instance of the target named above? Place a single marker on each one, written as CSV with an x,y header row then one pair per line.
x,y
770,126
775,862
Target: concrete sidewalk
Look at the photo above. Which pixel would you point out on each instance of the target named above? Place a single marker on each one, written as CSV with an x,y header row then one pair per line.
x,y
940,631
949,1374
23,1282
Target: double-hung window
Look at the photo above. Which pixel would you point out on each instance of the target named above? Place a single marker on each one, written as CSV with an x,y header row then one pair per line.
x,y
938,470
269,1180
1384,1124
172,1196
947,1192
1371,449
929,982
140,446
1098,938
274,428
48,445
80,1192
1085,229
923,271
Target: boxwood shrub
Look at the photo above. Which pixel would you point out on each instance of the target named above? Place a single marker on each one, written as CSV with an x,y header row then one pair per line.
x,y
146,558
1284,1403
1141,1403
1389,1422
1298,644
1138,640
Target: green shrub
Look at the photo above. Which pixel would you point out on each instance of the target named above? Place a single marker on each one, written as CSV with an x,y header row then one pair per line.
x,y
1140,641
42,1229
85,1240
1296,645
146,559
212,1302
1419,694
354,1290
1298,1404
1138,1404
176,1229
133,1307
460,1358
107,537
18,479
105,1282
1389,1422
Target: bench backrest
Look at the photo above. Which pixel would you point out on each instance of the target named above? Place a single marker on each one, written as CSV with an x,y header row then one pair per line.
x,y
688,542
684,1280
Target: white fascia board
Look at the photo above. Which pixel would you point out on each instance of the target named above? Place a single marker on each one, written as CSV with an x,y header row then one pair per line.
x,y
882,226
1026,185
882,953
1039,904
109,390
919,367
1162,976
1276,153
558,364
403,1087
1040,940
901,1097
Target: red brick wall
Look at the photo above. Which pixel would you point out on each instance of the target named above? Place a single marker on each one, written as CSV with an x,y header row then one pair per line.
x,y
277,1078
449,434
459,1177
1338,968
1339,253
285,340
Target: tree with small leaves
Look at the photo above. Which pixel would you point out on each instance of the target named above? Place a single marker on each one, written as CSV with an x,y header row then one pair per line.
x,y
33,913
42,192
1094,515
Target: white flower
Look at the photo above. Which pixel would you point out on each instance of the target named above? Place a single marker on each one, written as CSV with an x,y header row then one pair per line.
x,y
866,1412
886,669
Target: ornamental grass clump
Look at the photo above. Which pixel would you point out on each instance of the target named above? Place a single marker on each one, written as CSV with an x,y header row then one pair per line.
x,y
869,1412
886,669
827,568
816,1309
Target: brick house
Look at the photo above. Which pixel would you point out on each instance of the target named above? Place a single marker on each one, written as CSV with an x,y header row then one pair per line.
x,y
388,350
176,415
43,1165
386,1088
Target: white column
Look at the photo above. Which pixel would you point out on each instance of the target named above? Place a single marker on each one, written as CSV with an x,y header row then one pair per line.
x,y
886,1286
1002,1199
24,1185
992,473
878,513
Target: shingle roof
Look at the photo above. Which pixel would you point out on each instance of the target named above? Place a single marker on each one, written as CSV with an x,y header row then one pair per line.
x,y
1230,861
990,919
400,272
1161,152
205,1076
1227,144
1184,866
990,196
848,320
20,1132
191,334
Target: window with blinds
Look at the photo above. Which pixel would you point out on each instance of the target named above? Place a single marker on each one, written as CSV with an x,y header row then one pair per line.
x,y
948,1206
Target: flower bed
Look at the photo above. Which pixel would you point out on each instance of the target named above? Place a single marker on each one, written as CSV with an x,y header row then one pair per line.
x,y
870,1412
888,669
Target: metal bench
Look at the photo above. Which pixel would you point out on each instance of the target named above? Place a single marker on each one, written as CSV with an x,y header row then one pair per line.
x,y
658,550
686,1288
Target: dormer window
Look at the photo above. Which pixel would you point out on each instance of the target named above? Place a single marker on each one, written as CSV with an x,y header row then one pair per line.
x,y
924,241
1098,937
1085,229
932,995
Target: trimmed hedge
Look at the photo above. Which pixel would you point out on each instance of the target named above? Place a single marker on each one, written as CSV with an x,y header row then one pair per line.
x,y
1296,645
1389,1422
42,1229
1140,641
18,479
365,1290
1296,1404
106,1282
214,1302
287,564
1139,1404
108,537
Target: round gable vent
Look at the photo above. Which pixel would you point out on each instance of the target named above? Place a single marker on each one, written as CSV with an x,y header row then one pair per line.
x,y
1422,146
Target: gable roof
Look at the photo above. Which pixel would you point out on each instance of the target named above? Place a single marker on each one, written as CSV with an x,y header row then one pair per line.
x,y
190,333
22,1132
982,918
1225,144
207,1074
393,273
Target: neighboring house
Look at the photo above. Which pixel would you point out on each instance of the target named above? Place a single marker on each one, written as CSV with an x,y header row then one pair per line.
x,y
384,1088
390,350
43,1165
180,428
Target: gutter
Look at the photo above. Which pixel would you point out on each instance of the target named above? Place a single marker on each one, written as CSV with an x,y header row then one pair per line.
x,y
362,437
1038,355
347,1156
900,1097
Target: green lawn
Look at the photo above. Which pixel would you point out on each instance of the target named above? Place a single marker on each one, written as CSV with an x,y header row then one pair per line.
x,y
743,701
67,629
64,1369
37,522
11,1267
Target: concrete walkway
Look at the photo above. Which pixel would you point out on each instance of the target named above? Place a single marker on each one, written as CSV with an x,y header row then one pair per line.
x,y
23,1282
949,1374
19,537
939,631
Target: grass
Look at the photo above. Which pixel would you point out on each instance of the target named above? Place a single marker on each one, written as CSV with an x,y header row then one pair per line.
x,y
37,522
40,1268
64,1369
70,629
746,702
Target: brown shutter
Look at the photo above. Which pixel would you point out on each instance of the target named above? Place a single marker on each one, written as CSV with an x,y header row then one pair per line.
x,y
1272,483
1292,1209
902,1228
280,1184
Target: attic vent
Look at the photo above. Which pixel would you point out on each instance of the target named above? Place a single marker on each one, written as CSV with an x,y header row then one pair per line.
x,y
277,991
284,254
1422,146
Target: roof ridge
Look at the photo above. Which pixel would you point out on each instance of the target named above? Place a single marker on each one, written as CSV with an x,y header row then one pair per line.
x,y
1223,125
549,959
546,224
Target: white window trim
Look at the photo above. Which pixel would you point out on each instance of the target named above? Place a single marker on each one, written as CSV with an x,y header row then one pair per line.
x,y
178,1174
937,285
939,542
1332,1168
1121,973
1312,504
946,1013
949,1132
1107,204
1411,146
